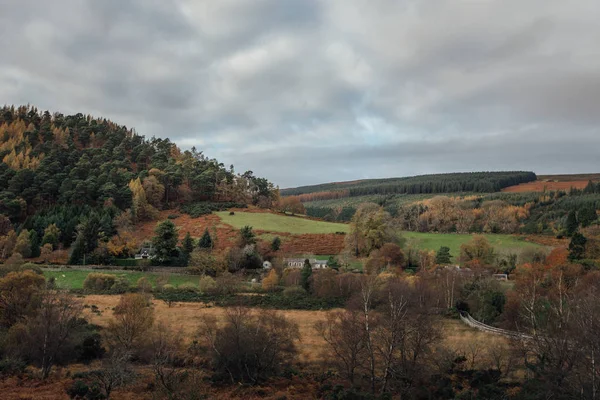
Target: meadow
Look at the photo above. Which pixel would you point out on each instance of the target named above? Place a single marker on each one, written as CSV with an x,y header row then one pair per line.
x,y
280,223
433,241
73,278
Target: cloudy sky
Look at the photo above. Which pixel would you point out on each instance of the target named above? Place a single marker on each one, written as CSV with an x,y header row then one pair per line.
x,y
310,91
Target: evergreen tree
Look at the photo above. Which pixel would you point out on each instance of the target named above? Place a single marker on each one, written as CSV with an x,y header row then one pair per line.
x,y
305,275
571,224
165,242
333,263
276,244
246,236
187,246
206,241
587,215
34,239
577,247
443,256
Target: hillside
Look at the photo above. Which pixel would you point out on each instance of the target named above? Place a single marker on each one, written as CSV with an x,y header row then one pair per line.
x,y
87,175
481,182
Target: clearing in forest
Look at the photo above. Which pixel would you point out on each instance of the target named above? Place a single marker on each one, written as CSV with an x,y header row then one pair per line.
x,y
280,223
433,241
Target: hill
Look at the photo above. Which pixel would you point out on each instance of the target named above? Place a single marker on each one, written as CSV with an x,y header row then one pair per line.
x,y
87,175
480,182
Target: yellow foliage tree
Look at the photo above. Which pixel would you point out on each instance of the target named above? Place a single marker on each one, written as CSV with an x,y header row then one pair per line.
x,y
270,281
141,209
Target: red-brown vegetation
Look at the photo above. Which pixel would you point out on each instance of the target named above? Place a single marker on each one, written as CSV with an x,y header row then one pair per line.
x,y
542,185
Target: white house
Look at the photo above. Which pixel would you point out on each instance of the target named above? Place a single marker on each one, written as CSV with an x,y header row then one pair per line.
x,y
299,263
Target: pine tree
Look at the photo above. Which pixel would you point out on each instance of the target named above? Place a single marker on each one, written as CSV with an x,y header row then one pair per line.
x,y
276,244
246,236
443,256
571,225
577,247
305,275
34,239
587,215
165,241
206,241
187,246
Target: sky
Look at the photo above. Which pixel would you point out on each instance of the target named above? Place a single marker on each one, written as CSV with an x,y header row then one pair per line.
x,y
311,91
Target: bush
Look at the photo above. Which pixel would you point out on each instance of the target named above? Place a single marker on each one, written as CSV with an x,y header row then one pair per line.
x,y
168,287
120,286
99,282
294,291
187,287
78,390
173,216
144,285
11,367
207,284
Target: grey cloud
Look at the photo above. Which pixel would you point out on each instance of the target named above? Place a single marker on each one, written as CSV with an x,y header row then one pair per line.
x,y
306,91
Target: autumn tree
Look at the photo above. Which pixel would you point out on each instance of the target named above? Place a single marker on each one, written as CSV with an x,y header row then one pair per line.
x,y
371,227
140,208
51,236
23,244
270,281
292,205
477,249
154,191
19,296
133,318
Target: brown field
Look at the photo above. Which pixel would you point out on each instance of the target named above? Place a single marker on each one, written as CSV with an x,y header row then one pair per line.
x,y
186,318
542,185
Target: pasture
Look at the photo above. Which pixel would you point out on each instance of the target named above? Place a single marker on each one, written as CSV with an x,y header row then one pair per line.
x,y
433,241
73,278
280,223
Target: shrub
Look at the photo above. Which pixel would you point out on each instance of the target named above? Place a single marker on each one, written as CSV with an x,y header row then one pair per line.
x,y
168,287
207,284
187,287
99,282
78,390
173,216
11,367
144,285
294,291
121,285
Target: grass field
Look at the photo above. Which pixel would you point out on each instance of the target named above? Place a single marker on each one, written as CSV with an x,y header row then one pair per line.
x,y
433,241
280,223
73,278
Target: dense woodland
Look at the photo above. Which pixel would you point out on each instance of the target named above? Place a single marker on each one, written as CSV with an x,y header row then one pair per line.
x,y
78,173
481,182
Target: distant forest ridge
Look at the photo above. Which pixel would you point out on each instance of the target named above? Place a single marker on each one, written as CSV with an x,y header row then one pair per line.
x,y
479,182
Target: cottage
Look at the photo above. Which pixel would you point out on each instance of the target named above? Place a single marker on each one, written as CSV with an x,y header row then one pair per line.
x,y
145,253
299,263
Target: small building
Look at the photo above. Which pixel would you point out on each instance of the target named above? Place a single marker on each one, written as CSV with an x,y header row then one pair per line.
x,y
500,277
299,263
145,253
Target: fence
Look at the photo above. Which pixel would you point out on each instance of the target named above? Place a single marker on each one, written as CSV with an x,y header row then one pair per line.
x,y
473,323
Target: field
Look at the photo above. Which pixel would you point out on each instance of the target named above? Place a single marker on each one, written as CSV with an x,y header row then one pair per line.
x,y
542,185
73,278
185,317
280,223
433,241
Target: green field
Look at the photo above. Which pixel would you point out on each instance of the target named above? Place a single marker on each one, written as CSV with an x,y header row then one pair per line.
x,y
73,278
433,241
280,223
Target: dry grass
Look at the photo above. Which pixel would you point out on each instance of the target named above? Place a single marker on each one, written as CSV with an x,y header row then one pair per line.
x,y
186,317
540,186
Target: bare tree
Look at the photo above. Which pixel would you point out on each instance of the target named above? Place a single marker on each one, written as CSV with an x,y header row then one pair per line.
x,y
49,332
343,331
115,372
133,319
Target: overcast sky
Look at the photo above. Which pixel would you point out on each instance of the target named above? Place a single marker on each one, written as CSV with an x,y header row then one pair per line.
x,y
304,91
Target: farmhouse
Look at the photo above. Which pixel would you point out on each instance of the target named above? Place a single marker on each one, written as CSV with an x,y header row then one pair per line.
x,y
299,263
145,253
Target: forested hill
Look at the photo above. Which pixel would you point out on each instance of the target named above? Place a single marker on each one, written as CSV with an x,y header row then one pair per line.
x,y
482,182
59,169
